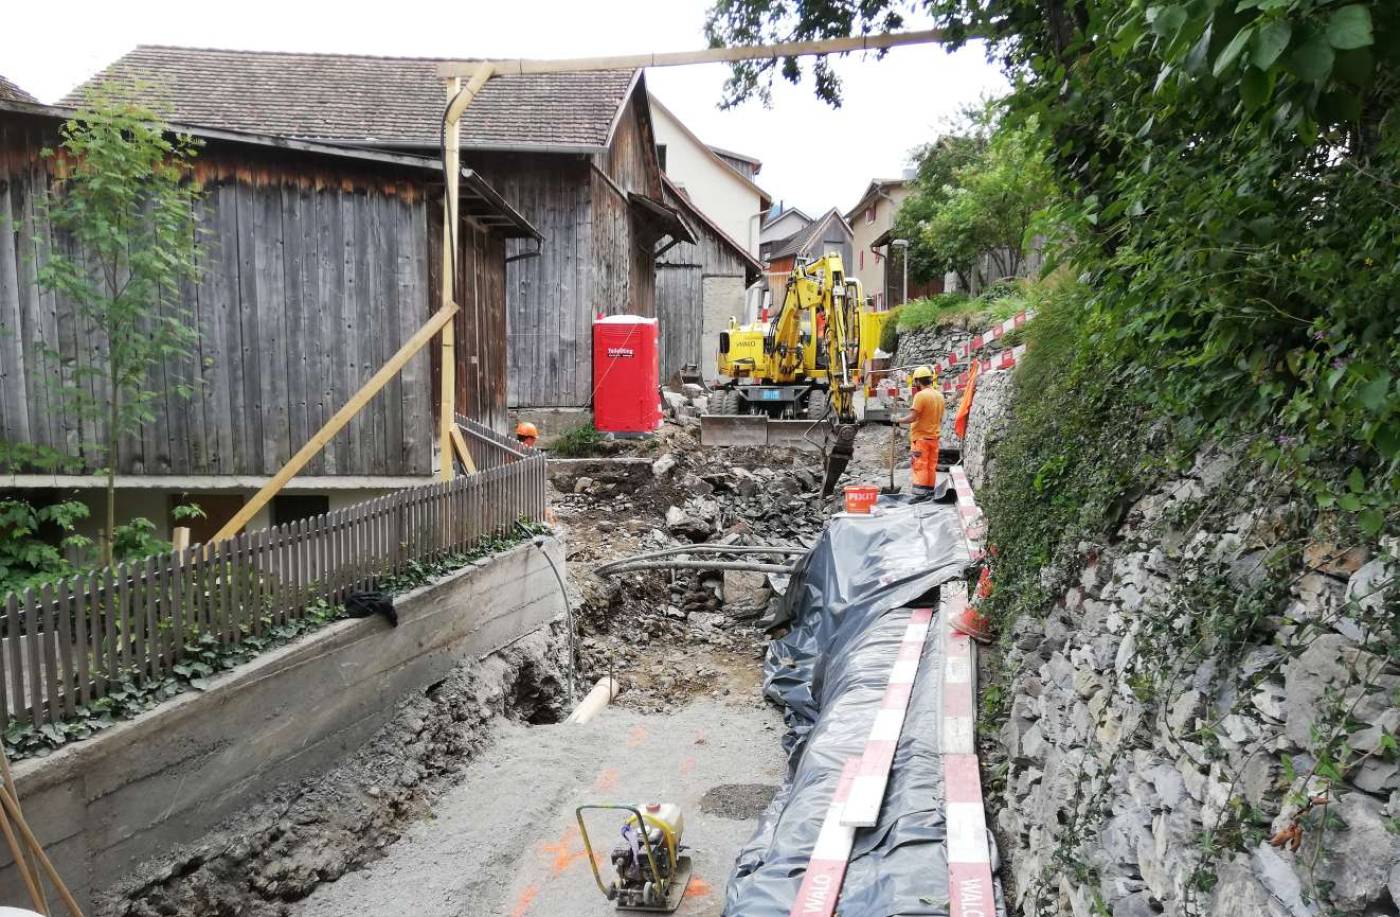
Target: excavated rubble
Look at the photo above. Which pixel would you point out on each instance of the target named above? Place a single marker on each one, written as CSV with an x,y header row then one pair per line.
x,y
643,627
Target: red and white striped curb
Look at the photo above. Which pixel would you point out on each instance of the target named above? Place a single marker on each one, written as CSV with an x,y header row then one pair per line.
x,y
826,870
969,858
868,790
973,526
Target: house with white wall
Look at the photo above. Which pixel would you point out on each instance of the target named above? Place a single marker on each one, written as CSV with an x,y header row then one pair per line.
x,y
719,184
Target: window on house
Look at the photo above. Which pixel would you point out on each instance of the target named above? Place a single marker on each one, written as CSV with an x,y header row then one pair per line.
x,y
862,259
870,214
661,155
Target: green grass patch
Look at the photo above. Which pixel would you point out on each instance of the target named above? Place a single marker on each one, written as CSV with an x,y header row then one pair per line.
x,y
957,311
582,441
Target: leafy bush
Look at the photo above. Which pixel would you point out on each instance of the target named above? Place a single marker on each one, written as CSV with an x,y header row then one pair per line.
x,y
581,441
889,332
29,555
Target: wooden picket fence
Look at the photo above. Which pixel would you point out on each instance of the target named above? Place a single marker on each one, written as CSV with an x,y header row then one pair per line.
x,y
69,644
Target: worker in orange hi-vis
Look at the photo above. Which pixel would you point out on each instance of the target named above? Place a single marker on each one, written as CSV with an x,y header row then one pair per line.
x,y
925,419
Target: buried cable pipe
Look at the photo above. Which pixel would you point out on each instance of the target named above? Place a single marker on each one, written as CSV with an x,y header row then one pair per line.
x,y
539,542
602,694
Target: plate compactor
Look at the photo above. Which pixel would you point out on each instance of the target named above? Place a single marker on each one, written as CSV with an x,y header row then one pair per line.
x,y
651,873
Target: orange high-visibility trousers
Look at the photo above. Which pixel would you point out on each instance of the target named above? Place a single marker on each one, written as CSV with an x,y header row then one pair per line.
x,y
924,462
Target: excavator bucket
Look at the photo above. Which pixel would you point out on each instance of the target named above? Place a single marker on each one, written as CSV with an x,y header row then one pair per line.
x,y
733,430
758,430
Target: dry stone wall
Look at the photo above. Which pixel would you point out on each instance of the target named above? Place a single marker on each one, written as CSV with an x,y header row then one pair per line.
x,y
1205,721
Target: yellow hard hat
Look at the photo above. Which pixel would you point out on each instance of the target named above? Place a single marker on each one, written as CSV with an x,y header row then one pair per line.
x,y
923,372
525,428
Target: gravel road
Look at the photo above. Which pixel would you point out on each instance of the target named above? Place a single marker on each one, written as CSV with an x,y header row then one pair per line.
x,y
504,843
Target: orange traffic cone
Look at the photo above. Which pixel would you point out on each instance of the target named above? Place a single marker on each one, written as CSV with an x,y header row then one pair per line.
x,y
974,624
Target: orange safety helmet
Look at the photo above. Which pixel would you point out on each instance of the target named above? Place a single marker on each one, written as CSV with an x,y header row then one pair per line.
x,y
526,432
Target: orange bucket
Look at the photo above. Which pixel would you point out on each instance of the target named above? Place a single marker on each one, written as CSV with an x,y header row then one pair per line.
x,y
861,497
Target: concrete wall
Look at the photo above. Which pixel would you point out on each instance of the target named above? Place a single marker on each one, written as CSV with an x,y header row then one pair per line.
x,y
104,805
721,297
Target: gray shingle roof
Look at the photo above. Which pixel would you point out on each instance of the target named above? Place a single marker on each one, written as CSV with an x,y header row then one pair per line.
x,y
802,241
377,100
12,93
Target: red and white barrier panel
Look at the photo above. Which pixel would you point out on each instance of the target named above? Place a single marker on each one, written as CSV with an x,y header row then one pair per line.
x,y
969,858
868,790
986,337
826,870
1003,360
973,526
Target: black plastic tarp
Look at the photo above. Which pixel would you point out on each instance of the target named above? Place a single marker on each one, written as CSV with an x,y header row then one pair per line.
x,y
848,607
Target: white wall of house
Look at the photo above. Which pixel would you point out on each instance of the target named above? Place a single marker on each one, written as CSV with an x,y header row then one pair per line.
x,y
726,197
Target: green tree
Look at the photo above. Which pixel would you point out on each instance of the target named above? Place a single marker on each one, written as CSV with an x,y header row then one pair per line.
x,y
1231,170
125,194
976,199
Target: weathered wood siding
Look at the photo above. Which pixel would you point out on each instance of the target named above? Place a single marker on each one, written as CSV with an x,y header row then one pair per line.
x,y
593,257
680,297
549,302
480,339
312,278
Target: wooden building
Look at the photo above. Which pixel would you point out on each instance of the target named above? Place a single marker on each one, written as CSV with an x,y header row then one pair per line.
x,y
699,286
574,153
318,262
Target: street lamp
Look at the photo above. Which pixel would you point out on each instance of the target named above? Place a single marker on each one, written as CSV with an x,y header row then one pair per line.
x,y
903,246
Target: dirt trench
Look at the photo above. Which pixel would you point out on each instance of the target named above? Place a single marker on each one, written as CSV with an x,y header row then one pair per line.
x,y
464,804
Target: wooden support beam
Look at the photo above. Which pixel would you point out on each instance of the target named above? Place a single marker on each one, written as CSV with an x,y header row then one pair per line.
x,y
707,56
458,97
459,442
421,337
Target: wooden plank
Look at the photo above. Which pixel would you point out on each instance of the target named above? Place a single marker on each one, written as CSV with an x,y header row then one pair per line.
x,y
141,601
84,589
218,296
352,355
14,388
14,632
271,284
66,642
300,342
250,418
331,242
179,603
31,328
48,641
33,644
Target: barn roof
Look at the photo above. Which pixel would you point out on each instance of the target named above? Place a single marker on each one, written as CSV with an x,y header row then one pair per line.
x,y
477,198
376,101
9,92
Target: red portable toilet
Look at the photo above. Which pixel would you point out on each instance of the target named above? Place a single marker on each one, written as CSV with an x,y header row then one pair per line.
x,y
626,375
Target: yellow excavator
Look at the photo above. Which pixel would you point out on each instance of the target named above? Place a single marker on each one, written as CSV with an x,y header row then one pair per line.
x,y
803,362
799,370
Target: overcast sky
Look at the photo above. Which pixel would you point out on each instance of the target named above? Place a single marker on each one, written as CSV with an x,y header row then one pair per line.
x,y
813,156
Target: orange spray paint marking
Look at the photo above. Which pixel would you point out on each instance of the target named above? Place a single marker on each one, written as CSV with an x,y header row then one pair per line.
x,y
636,737
607,779
698,888
687,766
526,899
565,852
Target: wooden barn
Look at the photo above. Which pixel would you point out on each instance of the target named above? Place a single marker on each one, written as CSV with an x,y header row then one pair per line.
x,y
574,153
698,286
318,262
